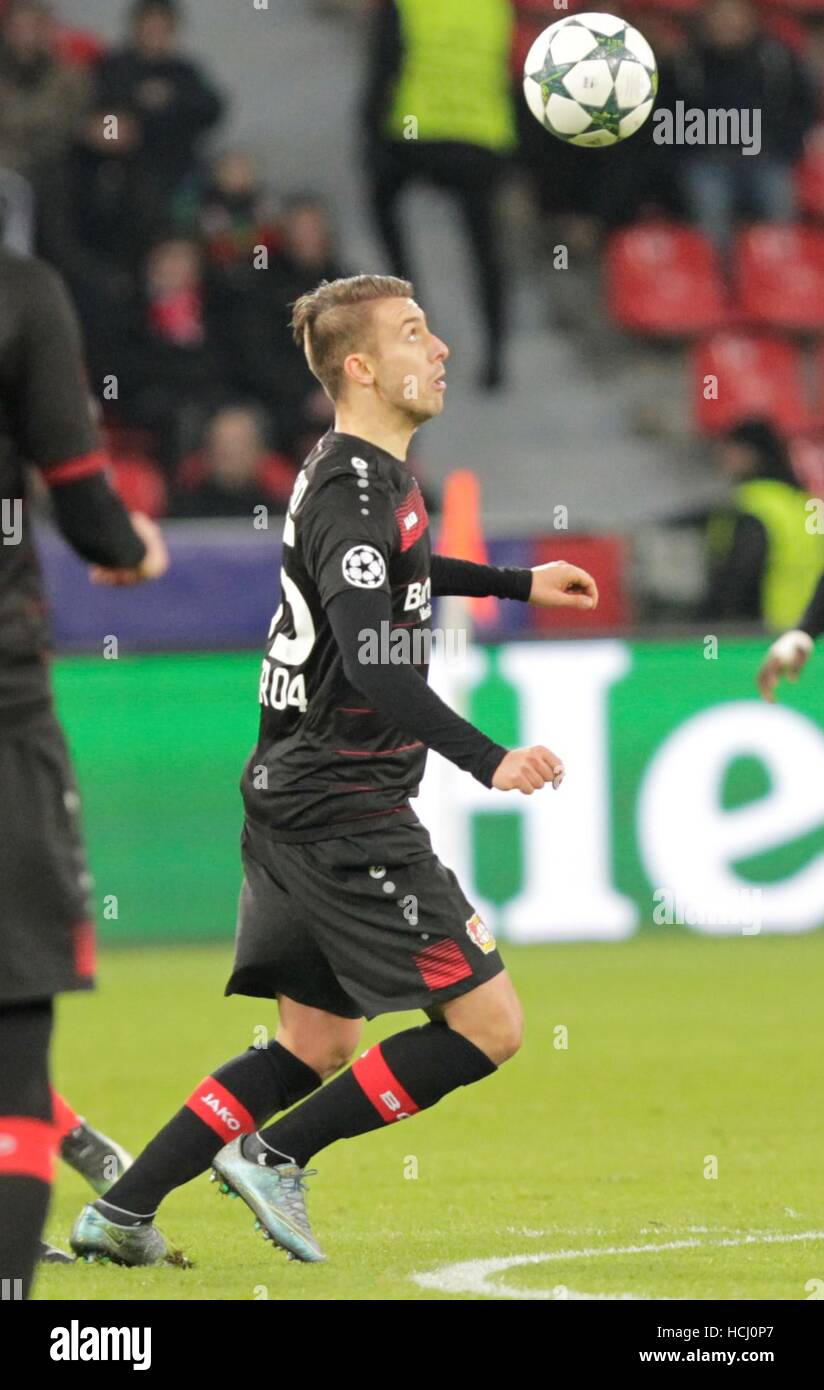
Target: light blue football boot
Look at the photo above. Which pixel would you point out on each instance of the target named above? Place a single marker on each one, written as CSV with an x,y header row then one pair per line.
x,y
275,1195
95,1236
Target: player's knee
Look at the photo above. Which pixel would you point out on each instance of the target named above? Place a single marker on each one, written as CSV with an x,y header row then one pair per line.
x,y
338,1055
498,1034
508,1038
326,1056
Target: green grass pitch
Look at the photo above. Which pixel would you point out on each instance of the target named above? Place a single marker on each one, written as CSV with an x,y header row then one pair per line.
x,y
581,1170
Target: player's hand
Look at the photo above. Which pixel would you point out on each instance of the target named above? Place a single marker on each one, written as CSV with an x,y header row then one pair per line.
x,y
787,657
527,770
154,563
559,585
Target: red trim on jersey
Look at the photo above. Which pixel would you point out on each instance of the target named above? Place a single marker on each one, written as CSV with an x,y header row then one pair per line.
x,y
220,1110
411,517
443,964
69,470
370,815
375,752
27,1148
63,1117
85,949
384,1089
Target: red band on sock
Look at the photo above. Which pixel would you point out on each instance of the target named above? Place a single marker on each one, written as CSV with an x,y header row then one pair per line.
x,y
384,1090
220,1110
65,1119
27,1148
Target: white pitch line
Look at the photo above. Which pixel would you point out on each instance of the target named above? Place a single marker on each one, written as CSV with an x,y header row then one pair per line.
x,y
475,1276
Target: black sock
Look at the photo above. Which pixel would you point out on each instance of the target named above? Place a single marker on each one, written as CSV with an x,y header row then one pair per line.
x,y
408,1072
239,1096
27,1141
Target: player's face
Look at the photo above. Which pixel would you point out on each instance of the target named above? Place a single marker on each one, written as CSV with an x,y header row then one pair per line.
x,y
410,360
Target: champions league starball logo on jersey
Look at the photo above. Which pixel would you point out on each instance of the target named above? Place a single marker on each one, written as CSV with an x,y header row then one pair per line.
x,y
364,567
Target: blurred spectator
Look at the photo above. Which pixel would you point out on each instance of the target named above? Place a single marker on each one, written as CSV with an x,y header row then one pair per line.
x,y
235,471
443,113
164,103
253,313
235,213
734,65
41,100
171,371
109,199
764,560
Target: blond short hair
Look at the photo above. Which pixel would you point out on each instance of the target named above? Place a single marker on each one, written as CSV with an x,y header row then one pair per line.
x,y
335,319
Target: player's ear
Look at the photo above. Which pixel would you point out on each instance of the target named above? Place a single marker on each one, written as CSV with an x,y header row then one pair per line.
x,y
358,368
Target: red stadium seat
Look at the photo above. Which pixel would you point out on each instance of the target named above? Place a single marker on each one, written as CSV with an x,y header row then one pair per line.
x,y
604,557
664,280
140,485
811,174
780,277
819,423
748,375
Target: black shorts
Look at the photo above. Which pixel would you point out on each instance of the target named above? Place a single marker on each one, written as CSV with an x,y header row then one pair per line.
x,y
46,926
358,926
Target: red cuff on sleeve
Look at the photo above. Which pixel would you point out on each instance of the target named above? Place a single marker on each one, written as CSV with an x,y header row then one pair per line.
x,y
69,470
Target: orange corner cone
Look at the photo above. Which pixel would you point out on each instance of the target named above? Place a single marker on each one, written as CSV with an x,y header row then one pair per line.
x,y
461,534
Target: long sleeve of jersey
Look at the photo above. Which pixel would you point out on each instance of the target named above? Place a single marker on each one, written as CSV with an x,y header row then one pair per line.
x,y
56,431
450,576
813,621
401,693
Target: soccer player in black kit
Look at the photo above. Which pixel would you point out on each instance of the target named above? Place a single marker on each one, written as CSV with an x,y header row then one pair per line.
x,y
46,930
345,911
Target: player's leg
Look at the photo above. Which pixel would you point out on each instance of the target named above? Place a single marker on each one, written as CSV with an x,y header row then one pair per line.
x,y
490,1016
323,1041
90,1153
46,947
312,1041
27,1141
406,1073
233,1099
477,178
389,171
368,919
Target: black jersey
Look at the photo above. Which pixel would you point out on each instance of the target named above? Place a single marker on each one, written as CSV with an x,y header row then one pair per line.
x,y
325,761
46,420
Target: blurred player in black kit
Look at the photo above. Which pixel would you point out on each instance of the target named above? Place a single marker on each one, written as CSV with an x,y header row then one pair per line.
x,y
345,911
46,929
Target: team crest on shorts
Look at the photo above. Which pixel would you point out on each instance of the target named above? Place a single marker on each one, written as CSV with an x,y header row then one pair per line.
x,y
478,931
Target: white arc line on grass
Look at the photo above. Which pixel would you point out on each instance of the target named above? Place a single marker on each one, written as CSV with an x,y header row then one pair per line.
x,y
475,1276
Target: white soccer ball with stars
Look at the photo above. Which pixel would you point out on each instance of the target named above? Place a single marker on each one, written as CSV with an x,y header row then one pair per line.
x,y
591,79
364,567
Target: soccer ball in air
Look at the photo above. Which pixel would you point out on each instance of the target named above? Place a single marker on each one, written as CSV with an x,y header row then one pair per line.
x,y
591,79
